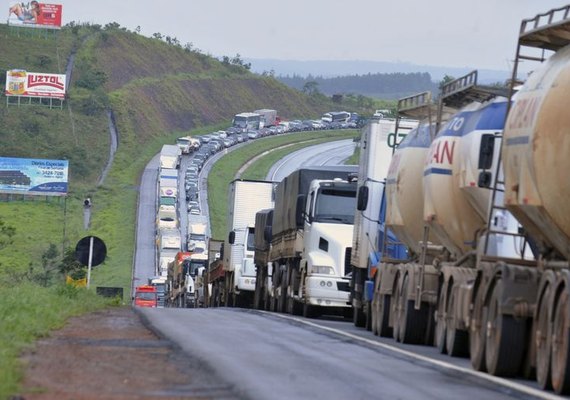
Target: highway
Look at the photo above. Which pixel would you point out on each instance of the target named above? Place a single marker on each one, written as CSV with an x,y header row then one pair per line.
x,y
333,153
267,355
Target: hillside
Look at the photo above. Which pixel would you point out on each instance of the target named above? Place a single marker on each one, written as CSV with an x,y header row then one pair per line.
x,y
156,91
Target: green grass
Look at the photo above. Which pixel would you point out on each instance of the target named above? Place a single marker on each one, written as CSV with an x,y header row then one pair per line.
x,y
224,170
355,157
39,310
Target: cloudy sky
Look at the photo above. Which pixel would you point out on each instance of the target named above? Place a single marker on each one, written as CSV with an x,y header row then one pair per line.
x,y
455,33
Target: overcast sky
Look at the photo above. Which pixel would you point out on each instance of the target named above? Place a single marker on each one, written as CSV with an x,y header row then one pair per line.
x,y
455,33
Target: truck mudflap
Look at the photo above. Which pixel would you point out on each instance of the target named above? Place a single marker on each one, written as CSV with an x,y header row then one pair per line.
x,y
327,291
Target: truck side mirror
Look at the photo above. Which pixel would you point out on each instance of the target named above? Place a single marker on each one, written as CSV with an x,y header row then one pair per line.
x,y
486,151
222,251
300,211
232,237
268,234
484,180
362,201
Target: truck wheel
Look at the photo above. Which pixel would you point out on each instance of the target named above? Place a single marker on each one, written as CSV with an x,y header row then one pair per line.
x,y
543,335
413,323
310,311
457,340
477,331
384,328
282,298
505,338
395,309
440,327
560,367
368,315
358,317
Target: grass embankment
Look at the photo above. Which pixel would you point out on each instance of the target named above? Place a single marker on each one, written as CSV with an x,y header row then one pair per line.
x,y
355,157
38,312
29,311
224,170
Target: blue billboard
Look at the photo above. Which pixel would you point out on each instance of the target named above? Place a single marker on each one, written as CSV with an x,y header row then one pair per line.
x,y
33,176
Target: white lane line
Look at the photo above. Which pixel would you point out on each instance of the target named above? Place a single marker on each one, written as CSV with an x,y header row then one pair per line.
x,y
442,364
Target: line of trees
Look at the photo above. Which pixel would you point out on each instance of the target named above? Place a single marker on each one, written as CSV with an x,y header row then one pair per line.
x,y
379,85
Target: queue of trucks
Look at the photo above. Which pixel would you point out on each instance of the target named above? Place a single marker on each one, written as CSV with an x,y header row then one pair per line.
x,y
456,233
176,269
452,232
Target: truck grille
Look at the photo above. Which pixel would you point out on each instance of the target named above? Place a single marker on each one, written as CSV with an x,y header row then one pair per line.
x,y
347,267
343,286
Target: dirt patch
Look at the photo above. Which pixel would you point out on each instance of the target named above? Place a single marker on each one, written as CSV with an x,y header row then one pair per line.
x,y
111,355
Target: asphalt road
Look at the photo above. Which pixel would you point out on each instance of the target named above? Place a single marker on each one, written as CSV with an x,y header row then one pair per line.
x,y
266,356
333,153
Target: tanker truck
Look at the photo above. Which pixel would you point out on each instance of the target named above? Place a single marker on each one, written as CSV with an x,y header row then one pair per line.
x,y
377,143
521,307
442,227
311,240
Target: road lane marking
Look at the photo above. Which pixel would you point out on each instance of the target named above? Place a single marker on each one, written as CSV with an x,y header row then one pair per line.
x,y
540,394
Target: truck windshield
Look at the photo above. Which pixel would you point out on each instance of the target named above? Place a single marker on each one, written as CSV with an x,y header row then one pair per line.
x,y
250,239
194,266
335,206
146,296
240,122
184,142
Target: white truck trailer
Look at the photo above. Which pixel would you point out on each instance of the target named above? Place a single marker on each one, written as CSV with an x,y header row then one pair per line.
x,y
170,156
245,199
167,186
168,243
268,117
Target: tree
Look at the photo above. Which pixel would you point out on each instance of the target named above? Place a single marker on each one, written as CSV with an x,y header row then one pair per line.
x,y
311,88
446,79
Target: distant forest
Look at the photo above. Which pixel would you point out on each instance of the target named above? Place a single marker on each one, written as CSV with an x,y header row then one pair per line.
x,y
381,86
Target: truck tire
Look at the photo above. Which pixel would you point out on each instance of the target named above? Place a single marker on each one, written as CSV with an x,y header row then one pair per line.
x,y
383,316
358,316
457,340
543,335
368,314
561,351
413,323
478,331
258,294
505,345
440,321
310,311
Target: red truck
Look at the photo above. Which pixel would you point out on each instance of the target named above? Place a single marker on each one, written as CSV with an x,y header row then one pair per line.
x,y
145,296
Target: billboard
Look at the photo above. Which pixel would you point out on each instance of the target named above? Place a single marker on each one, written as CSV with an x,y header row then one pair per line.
x,y
34,84
33,176
34,15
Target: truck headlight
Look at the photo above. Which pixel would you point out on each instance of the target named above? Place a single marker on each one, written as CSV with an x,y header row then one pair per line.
x,y
322,269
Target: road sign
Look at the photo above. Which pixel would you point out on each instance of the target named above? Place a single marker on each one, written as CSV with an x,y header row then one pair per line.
x,y
99,251
90,251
